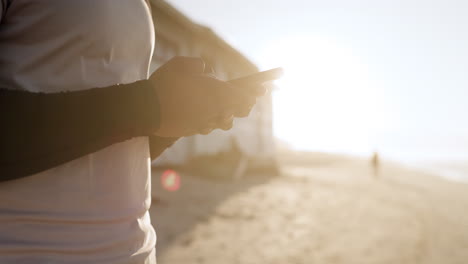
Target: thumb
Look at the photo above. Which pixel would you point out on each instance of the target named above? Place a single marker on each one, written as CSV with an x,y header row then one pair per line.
x,y
181,64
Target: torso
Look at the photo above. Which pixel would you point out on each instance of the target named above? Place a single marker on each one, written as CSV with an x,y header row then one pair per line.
x,y
93,208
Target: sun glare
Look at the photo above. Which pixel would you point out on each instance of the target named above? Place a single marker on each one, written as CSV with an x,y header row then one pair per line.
x,y
325,101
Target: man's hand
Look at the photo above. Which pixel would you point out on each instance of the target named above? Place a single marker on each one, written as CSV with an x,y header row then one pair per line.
x,y
192,102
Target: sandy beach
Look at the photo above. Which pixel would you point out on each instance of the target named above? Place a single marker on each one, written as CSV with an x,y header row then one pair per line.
x,y
320,209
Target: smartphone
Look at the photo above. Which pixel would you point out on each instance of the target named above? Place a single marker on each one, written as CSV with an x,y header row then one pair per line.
x,y
259,77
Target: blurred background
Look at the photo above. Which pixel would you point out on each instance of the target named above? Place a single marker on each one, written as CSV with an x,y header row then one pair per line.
x,y
358,155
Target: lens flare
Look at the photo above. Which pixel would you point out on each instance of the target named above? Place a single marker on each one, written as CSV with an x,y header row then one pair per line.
x,y
170,180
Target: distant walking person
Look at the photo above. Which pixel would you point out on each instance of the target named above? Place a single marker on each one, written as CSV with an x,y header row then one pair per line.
x,y
375,164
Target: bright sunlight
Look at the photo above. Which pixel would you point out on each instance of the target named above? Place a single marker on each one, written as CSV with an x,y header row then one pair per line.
x,y
326,100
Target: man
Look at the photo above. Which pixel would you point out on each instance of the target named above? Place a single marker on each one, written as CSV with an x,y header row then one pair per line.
x,y
87,192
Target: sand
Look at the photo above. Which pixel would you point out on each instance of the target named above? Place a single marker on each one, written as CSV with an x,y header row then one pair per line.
x,y
320,210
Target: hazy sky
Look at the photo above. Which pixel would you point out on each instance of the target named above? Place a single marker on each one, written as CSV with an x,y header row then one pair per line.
x,y
414,53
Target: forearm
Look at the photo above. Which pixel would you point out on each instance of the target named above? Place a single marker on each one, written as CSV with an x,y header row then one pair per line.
x,y
41,131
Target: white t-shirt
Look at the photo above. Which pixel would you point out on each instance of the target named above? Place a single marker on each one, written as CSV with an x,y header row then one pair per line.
x,y
93,209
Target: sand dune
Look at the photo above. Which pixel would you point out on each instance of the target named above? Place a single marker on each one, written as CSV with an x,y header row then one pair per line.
x,y
330,212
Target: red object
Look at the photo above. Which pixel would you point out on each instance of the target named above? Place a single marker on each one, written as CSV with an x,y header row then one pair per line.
x,y
170,180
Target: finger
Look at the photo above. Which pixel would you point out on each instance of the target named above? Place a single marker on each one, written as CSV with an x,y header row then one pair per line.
x,y
259,90
211,82
190,132
193,65
246,95
218,121
227,124
220,92
244,110
226,115
224,122
206,131
237,102
231,98
254,90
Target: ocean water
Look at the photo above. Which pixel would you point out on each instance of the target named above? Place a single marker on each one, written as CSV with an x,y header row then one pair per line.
x,y
440,153
437,150
454,172
446,162
451,164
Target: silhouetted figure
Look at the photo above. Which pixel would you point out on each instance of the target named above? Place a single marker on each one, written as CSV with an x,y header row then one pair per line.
x,y
375,163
